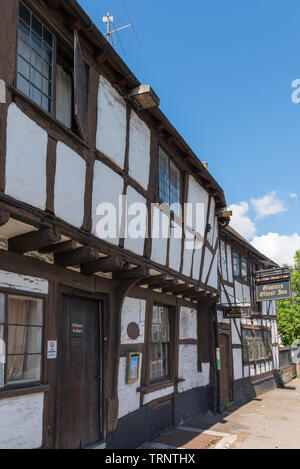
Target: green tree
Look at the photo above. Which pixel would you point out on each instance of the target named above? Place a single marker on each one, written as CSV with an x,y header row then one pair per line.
x,y
288,311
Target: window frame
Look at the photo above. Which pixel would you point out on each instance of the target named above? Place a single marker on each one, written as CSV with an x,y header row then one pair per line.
x,y
170,160
29,295
265,334
78,132
170,343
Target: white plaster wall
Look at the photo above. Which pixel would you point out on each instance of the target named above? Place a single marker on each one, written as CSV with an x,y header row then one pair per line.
x,y
160,237
188,368
207,262
237,363
129,398
188,323
135,241
25,283
235,335
158,394
216,232
108,187
25,159
197,259
111,126
239,292
246,372
2,92
197,195
229,263
223,261
133,311
246,294
21,422
175,249
213,276
139,151
189,243
252,370
211,221
69,185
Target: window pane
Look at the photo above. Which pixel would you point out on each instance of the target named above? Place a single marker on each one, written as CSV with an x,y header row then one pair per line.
x,y
169,180
21,369
25,310
24,13
244,265
2,305
236,264
24,340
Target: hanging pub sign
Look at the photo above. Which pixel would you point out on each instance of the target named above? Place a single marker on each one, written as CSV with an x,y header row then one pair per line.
x,y
232,312
273,285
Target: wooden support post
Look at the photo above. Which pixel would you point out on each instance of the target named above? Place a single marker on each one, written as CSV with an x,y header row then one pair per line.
x,y
105,265
33,241
77,257
4,217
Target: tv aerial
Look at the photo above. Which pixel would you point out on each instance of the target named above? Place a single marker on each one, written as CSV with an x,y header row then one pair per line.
x,y
112,30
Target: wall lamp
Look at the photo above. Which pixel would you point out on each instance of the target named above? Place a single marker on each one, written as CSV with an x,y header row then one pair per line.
x,y
144,97
224,217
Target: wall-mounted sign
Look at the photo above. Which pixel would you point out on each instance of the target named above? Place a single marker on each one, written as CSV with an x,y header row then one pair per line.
x,y
133,367
52,349
237,312
77,329
273,285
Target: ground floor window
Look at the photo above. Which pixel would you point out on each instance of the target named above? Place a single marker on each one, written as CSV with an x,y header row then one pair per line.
x,y
257,344
160,343
21,329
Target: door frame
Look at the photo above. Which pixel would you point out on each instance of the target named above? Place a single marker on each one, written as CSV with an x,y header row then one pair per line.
x,y
227,333
101,299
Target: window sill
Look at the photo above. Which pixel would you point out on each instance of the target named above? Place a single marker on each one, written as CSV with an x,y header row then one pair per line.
x,y
48,116
156,386
8,393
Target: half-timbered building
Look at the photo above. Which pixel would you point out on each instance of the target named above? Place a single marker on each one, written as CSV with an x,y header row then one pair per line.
x,y
104,341
248,338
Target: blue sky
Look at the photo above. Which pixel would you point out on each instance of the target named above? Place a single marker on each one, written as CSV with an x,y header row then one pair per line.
x,y
224,73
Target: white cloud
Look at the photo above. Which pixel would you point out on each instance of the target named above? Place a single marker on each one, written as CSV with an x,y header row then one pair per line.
x,y
268,205
240,220
280,249
294,196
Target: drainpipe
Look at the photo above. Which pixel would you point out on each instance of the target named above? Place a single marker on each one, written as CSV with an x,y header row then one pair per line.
x,y
218,362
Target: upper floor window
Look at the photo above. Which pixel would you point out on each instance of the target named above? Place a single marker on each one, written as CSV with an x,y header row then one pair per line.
x,y
236,264
35,59
244,268
169,180
41,78
21,328
160,343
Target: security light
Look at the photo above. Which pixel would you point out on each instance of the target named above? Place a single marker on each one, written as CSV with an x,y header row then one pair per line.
x,y
144,97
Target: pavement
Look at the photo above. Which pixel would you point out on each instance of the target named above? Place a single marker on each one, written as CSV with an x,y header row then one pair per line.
x,y
270,421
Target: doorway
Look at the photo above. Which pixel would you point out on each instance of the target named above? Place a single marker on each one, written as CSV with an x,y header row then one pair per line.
x,y
80,383
226,367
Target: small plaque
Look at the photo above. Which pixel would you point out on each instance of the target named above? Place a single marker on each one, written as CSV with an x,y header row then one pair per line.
x,y
133,367
52,349
133,331
77,329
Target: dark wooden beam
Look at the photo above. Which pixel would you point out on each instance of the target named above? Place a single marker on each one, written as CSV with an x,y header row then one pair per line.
x,y
154,281
105,265
138,272
59,247
4,217
195,295
77,257
177,289
33,241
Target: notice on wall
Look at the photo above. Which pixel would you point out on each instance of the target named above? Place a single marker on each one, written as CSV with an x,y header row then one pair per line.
x,y
52,349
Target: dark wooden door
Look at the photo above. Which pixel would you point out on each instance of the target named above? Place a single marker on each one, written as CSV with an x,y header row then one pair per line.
x,y
226,374
80,374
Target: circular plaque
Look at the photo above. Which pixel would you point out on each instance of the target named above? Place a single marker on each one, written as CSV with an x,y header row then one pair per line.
x,y
133,331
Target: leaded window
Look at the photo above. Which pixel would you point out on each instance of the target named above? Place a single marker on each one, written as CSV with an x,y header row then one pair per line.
x,y
160,343
248,349
21,328
169,180
35,59
244,268
236,264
